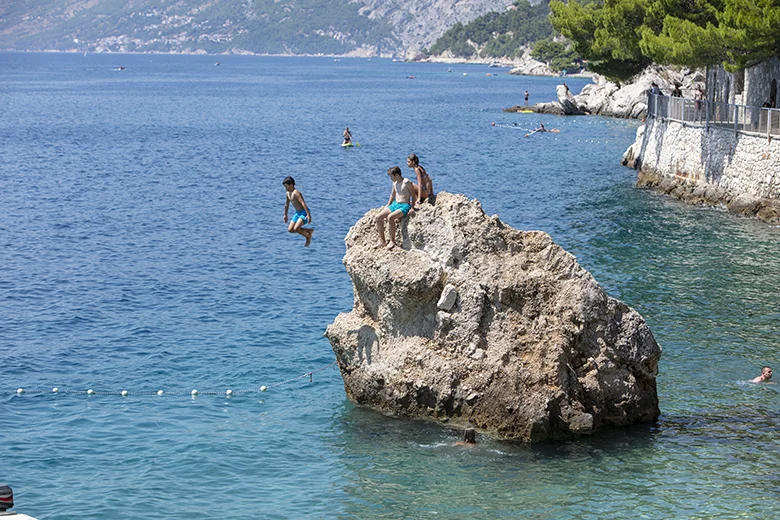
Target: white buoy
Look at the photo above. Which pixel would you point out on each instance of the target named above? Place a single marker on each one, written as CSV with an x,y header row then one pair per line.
x,y
20,391
263,388
55,390
159,392
229,392
194,393
90,392
124,393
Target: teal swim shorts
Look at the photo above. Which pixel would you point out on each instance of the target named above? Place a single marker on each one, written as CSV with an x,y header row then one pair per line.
x,y
395,206
300,215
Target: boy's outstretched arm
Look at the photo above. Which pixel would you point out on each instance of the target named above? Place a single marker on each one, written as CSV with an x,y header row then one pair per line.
x,y
305,206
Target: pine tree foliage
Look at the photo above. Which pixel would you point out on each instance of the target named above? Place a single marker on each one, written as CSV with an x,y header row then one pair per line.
x,y
621,37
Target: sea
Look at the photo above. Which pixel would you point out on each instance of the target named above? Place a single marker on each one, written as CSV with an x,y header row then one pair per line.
x,y
143,249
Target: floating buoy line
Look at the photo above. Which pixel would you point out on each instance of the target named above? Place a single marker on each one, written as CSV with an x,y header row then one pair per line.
x,y
229,392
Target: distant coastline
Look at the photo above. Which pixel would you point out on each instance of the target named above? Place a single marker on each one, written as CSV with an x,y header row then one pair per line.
x,y
500,63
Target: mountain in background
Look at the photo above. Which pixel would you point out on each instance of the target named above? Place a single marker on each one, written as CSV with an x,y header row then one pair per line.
x,y
504,34
340,27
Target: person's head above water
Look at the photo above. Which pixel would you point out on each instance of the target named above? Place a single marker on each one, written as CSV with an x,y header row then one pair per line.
x,y
766,375
470,437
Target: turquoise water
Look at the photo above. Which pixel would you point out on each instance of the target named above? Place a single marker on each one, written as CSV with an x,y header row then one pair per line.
x,y
142,248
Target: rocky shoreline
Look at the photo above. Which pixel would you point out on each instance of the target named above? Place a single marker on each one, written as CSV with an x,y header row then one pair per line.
x,y
606,98
713,168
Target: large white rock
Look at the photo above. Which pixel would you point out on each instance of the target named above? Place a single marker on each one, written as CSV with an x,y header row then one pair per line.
x,y
532,348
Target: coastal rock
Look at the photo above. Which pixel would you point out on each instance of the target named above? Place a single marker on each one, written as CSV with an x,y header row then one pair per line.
x,y
565,106
631,155
606,98
567,101
531,67
474,322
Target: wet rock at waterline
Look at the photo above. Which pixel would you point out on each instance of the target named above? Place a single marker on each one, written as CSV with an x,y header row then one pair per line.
x,y
474,322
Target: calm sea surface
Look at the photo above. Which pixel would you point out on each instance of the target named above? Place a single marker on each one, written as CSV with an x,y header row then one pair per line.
x,y
142,248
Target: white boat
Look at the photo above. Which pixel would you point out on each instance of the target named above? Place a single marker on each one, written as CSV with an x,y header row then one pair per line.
x,y
7,502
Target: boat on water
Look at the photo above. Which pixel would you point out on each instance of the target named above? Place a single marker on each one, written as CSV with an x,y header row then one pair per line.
x,y
7,502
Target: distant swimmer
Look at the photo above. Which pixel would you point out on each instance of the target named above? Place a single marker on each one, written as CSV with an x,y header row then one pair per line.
x,y
766,375
399,205
541,128
347,137
424,186
469,438
302,213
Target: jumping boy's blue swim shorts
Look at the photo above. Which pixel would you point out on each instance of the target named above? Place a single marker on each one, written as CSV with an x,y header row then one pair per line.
x,y
300,215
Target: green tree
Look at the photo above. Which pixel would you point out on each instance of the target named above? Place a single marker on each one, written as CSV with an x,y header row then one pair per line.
x,y
750,30
621,37
607,35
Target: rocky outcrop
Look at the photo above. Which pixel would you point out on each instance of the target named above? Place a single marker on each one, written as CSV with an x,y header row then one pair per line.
x,y
474,322
606,98
528,66
565,106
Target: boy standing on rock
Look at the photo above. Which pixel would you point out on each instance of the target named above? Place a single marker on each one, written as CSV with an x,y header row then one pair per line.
x,y
302,213
398,206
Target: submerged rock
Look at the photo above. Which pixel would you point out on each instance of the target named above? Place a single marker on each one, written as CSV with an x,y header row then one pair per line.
x,y
472,321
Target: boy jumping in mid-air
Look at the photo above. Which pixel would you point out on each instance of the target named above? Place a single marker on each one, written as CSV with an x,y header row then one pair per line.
x,y
400,203
302,213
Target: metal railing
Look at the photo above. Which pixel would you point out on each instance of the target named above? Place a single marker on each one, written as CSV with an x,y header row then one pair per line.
x,y
739,118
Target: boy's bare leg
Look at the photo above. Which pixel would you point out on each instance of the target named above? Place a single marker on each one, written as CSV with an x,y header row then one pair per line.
x,y
297,227
392,222
380,227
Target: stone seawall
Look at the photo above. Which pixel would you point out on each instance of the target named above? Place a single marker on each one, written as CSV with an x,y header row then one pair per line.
x,y
714,166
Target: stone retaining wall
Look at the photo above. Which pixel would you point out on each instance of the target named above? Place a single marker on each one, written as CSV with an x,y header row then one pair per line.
x,y
712,167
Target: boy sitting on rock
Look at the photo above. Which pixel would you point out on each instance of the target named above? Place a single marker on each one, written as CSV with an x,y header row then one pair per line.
x,y
398,206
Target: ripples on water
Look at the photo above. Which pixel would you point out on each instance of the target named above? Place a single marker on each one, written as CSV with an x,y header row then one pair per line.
x,y
142,247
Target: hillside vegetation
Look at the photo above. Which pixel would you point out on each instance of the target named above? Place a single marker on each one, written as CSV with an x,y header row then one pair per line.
x,y
498,34
508,34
